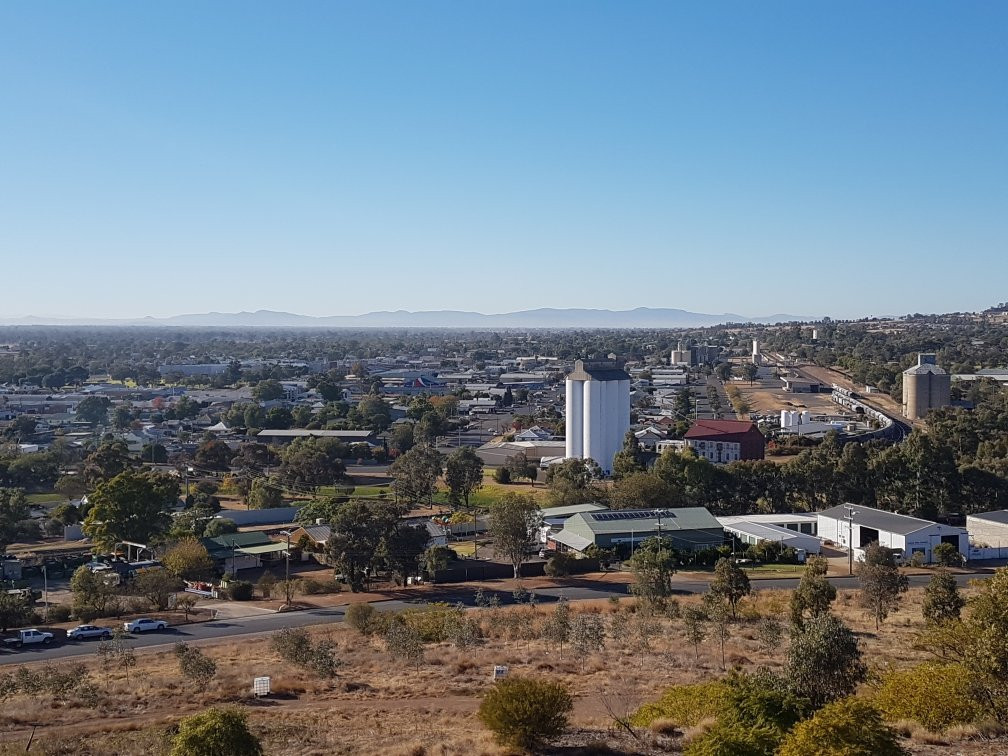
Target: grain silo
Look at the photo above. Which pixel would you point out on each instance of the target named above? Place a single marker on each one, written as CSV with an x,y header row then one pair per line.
x,y
598,411
925,387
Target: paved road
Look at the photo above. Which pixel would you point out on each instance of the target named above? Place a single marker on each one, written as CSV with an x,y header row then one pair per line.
x,y
266,623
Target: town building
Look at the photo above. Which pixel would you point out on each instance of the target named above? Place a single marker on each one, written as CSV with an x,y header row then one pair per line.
x,y
848,524
988,528
687,529
796,531
721,441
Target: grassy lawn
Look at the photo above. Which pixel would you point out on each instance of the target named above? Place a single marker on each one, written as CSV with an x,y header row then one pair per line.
x,y
357,490
46,498
483,498
462,548
775,570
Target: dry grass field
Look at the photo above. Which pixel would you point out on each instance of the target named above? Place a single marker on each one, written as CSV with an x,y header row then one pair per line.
x,y
378,705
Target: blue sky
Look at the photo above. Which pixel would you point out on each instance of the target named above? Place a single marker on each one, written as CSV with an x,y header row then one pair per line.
x,y
328,158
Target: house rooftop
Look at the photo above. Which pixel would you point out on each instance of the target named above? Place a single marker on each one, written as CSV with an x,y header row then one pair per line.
x,y
1000,516
670,520
304,433
708,428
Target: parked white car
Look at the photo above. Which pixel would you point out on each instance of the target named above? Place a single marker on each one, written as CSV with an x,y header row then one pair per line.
x,y
84,632
143,625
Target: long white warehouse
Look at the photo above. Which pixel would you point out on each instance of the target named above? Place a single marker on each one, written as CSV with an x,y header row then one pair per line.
x,y
598,411
847,523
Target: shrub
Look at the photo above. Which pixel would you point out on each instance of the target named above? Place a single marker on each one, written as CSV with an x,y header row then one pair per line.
x,y
312,587
524,712
402,641
59,613
502,475
219,526
942,600
323,661
265,584
947,555
764,700
240,590
134,605
847,727
215,732
293,644
428,621
936,695
686,705
363,618
734,739
195,665
824,643
559,564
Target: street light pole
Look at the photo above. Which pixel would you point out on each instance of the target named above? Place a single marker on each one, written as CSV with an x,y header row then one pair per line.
x,y
850,540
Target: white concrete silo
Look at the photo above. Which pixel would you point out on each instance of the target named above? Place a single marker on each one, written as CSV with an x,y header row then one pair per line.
x,y
575,418
598,393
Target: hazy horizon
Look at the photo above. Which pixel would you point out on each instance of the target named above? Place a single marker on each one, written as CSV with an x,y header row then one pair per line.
x,y
337,158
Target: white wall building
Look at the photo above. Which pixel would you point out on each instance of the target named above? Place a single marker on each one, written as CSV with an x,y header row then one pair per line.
x,y
989,528
865,525
794,531
598,411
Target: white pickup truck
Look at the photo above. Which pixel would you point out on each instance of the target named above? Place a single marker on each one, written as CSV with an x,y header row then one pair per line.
x,y
29,638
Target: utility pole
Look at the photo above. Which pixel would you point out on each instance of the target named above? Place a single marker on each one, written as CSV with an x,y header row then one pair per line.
x,y
287,583
850,540
659,536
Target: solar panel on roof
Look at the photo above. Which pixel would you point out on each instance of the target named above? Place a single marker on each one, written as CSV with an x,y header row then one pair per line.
x,y
648,514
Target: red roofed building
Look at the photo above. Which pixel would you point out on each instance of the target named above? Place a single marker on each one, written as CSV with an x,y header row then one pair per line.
x,y
726,440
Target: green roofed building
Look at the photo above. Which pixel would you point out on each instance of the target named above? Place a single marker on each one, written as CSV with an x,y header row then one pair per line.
x,y
239,551
687,529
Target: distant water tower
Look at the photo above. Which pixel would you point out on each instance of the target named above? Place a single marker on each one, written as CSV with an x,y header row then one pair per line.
x,y
925,387
598,411
755,352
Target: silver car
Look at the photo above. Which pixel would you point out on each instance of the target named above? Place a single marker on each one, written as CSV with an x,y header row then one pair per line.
x,y
85,632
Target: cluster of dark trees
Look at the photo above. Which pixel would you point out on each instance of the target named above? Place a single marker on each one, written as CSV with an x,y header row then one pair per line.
x,y
924,476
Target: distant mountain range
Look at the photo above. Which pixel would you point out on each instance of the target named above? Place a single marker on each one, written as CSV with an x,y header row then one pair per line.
x,y
641,317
